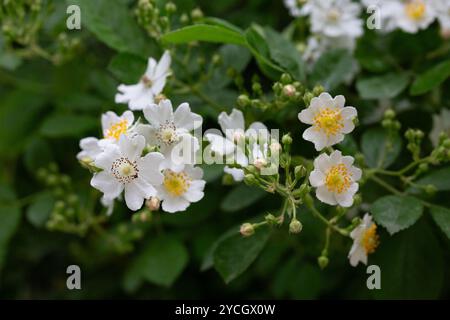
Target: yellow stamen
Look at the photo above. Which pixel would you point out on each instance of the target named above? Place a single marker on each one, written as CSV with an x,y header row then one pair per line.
x,y
176,183
329,121
117,129
415,9
370,239
338,179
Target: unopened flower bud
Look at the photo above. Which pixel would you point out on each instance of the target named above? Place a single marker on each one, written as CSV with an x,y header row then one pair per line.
x,y
243,101
307,97
196,14
247,229
286,139
171,7
389,114
430,189
295,226
153,203
289,90
323,262
286,78
299,171
250,179
318,90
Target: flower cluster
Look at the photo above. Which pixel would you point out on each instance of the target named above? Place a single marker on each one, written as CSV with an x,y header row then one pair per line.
x,y
334,24
146,161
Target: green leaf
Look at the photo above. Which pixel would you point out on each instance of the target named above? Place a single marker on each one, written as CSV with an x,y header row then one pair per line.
x,y
438,178
382,87
332,68
432,78
40,209
285,54
62,125
241,197
212,172
235,254
38,154
411,263
396,213
222,23
160,262
20,114
127,67
204,32
113,24
441,216
9,219
380,149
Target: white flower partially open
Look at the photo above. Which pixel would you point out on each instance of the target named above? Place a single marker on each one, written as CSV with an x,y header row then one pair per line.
x,y
330,120
335,178
125,169
180,189
298,8
113,126
90,149
171,131
233,144
142,94
365,241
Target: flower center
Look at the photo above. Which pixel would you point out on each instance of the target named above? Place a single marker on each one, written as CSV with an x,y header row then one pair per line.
x,y
329,121
338,179
167,133
370,239
333,15
176,183
124,170
415,9
146,81
117,129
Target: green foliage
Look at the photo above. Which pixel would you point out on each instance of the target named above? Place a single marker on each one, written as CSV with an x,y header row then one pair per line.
x,y
332,68
241,197
397,213
430,79
380,147
386,86
441,216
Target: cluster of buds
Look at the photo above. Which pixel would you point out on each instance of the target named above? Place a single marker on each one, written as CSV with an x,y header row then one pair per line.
x,y
390,122
442,152
155,21
414,138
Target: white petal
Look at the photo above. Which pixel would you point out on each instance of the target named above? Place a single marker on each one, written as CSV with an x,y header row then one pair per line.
x,y
195,191
325,196
356,173
131,148
108,119
162,69
237,174
173,204
196,173
143,100
348,126
349,113
336,157
316,178
345,199
149,168
339,101
107,184
310,134
306,116
159,114
231,122
219,144
105,159
184,118
135,193
322,162
151,68
158,85
128,116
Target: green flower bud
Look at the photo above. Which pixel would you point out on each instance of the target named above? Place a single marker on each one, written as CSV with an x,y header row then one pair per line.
x,y
286,139
318,89
285,78
171,7
227,179
299,171
184,19
430,189
446,143
322,262
389,114
216,59
295,226
52,180
41,173
307,97
250,179
196,14
277,87
423,167
247,229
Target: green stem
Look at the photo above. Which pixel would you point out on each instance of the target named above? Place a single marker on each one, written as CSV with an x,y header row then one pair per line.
x,y
324,220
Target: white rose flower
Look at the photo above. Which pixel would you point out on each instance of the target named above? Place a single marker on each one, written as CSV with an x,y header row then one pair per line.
x,y
142,94
180,189
329,120
365,241
233,144
113,126
125,170
90,149
336,18
171,132
335,178
442,10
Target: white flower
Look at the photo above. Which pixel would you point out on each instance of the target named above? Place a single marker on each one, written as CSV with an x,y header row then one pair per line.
x,y
170,131
319,44
125,169
181,188
329,120
407,15
365,241
336,18
142,94
441,123
298,8
108,204
335,178
233,144
113,126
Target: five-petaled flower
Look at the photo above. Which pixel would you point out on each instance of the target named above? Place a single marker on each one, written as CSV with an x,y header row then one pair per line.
x,y
124,169
142,94
335,178
329,120
365,241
